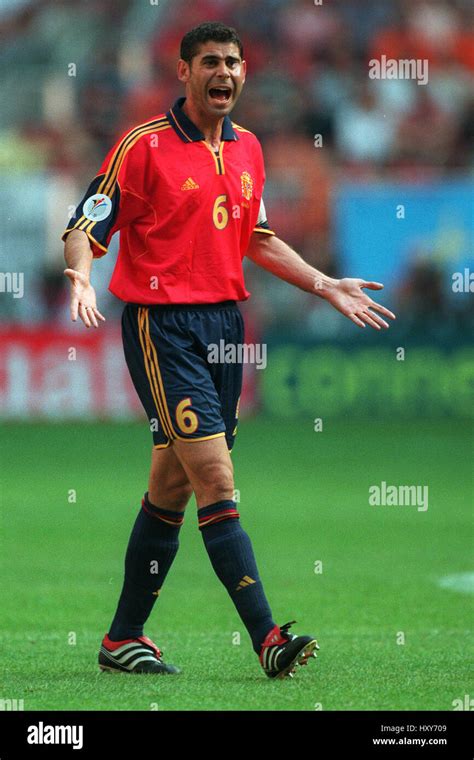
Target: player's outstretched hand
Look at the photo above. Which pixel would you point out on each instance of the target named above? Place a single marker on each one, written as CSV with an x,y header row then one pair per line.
x,y
83,300
347,296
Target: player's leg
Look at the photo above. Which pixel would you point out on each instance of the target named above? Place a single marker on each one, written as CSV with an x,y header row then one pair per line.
x,y
153,544
151,549
209,469
168,485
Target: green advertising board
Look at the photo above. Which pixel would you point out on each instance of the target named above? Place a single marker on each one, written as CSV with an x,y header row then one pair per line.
x,y
386,382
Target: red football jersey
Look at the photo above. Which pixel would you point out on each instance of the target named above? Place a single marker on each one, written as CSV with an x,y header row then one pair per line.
x,y
185,213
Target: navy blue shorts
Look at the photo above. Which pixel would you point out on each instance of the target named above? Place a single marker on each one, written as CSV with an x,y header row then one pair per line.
x,y
171,353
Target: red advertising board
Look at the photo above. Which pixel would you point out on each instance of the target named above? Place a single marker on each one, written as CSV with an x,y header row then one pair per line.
x,y
52,373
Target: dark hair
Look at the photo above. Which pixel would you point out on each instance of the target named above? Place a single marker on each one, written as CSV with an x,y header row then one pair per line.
x,y
209,30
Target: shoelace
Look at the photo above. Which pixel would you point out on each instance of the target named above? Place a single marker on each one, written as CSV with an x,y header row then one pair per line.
x,y
284,629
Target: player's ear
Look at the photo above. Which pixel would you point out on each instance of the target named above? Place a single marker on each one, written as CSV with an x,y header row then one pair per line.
x,y
244,70
183,70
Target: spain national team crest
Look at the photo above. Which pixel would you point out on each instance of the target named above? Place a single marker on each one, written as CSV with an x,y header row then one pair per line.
x,y
97,207
247,185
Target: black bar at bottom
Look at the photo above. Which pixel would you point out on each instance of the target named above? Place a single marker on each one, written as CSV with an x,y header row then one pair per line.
x,y
219,734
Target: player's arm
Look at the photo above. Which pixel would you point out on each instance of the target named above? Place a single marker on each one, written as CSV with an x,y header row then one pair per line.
x,y
346,295
112,201
78,256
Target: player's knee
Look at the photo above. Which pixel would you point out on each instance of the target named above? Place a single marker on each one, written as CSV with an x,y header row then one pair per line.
x,y
173,496
219,475
216,482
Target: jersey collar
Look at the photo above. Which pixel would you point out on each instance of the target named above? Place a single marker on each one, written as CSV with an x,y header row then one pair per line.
x,y
187,131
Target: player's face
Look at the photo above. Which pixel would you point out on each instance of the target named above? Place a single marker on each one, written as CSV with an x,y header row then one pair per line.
x,y
215,78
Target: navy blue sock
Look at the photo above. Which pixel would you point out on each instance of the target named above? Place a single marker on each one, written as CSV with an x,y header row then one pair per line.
x,y
151,550
231,554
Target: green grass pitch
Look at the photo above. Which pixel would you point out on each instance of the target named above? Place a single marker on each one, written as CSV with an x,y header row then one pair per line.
x,y
303,500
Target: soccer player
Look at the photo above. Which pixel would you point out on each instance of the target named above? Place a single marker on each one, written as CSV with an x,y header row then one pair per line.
x,y
185,190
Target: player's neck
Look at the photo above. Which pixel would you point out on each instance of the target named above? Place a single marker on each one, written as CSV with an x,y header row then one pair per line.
x,y
211,128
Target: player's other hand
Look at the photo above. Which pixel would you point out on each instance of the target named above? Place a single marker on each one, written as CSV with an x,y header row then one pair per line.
x,y
348,297
83,300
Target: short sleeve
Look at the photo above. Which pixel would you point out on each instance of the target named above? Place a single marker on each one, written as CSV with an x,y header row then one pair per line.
x,y
262,222
116,196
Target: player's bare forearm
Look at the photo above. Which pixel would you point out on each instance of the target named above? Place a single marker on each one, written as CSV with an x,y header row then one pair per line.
x,y
346,295
78,253
274,255
78,256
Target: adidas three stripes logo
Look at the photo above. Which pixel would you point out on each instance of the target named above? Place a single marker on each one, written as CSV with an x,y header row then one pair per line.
x,y
245,581
129,655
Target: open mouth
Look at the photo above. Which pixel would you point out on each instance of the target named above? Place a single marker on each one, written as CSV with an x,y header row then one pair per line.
x,y
221,94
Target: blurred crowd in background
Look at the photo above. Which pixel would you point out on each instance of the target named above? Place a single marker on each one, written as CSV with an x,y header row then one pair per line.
x,y
77,74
